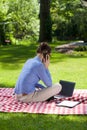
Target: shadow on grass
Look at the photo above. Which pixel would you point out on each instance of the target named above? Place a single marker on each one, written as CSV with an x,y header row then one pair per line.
x,y
6,86
20,121
12,57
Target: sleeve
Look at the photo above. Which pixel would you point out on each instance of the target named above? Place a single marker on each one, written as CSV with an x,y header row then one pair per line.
x,y
39,85
44,75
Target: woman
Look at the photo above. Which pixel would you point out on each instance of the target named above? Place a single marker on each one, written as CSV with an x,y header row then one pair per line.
x,y
27,88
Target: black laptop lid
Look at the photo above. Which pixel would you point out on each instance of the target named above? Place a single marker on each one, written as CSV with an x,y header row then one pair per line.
x,y
67,88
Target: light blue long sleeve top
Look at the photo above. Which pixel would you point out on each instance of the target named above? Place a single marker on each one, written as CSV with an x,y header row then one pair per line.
x,y
32,72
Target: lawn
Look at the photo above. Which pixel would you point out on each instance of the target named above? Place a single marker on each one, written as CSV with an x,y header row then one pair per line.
x,y
68,67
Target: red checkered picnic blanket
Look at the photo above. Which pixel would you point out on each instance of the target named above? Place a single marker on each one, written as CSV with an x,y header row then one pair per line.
x,y
9,104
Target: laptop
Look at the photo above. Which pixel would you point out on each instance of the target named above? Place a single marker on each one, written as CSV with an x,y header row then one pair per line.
x,y
67,89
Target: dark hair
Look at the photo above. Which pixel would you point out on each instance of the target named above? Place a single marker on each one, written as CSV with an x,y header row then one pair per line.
x,y
44,48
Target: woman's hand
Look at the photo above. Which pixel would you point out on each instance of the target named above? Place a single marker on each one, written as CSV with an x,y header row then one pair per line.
x,y
46,61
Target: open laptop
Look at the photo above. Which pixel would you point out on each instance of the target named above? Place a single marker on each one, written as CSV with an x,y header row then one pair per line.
x,y
67,89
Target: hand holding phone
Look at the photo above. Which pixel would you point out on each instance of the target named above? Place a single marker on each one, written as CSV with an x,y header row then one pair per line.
x,y
45,56
46,60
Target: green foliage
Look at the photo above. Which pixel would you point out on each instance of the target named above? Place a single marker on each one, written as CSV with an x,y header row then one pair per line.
x,y
69,20
25,15
81,48
19,19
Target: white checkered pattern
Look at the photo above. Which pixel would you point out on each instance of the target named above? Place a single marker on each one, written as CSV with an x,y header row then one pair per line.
x,y
9,104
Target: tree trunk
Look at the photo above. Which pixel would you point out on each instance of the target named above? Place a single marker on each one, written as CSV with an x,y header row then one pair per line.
x,y
2,35
45,22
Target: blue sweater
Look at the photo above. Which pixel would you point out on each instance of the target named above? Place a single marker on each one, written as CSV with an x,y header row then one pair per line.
x,y
32,72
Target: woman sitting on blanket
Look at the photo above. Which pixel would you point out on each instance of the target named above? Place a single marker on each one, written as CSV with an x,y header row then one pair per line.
x,y
27,88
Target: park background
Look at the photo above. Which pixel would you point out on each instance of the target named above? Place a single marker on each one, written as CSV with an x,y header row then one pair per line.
x,y
21,30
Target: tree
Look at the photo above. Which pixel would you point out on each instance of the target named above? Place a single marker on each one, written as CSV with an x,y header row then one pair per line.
x,y
3,18
45,21
69,20
24,13
22,19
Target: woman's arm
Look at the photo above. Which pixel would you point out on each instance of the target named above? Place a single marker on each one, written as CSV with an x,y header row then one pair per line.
x,y
44,75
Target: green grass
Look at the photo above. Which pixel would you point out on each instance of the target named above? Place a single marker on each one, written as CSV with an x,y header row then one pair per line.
x,y
41,122
68,67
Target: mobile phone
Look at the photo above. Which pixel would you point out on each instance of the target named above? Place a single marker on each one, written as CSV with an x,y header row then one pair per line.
x,y
45,55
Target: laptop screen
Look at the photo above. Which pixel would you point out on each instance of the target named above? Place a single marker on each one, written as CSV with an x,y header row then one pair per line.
x,y
67,88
